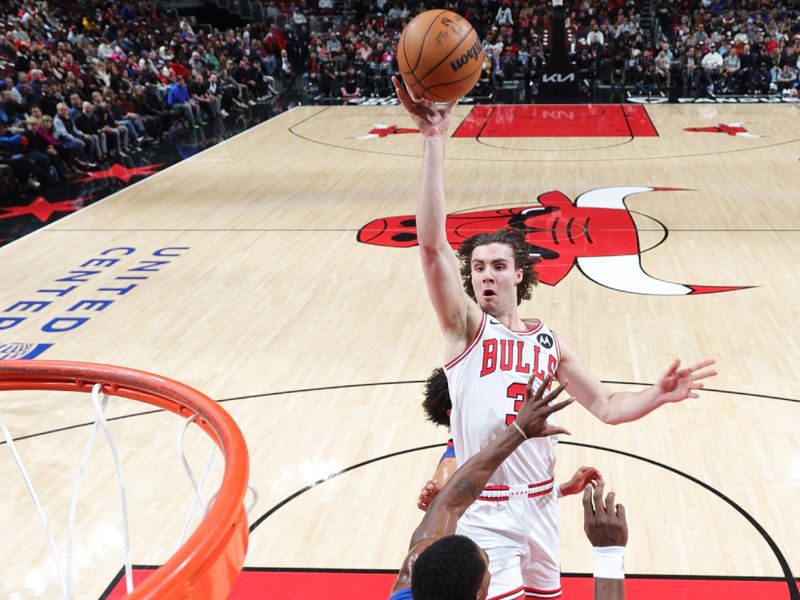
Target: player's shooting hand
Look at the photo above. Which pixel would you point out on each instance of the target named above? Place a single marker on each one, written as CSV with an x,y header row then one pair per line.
x,y
679,384
532,417
603,522
427,494
430,119
583,477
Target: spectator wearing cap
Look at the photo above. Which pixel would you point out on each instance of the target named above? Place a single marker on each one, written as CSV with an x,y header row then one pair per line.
x,y
712,68
503,17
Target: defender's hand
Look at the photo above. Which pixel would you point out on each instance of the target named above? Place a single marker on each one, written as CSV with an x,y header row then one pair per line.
x,y
603,522
532,417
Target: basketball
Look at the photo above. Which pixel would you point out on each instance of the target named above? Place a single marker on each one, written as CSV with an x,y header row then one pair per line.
x,y
439,56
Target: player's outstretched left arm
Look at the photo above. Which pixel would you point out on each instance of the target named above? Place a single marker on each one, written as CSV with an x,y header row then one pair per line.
x,y
675,385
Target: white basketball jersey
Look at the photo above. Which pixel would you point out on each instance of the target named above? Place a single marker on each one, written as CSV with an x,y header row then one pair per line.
x,y
487,385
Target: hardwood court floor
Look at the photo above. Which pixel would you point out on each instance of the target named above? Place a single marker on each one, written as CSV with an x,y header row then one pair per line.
x,y
318,343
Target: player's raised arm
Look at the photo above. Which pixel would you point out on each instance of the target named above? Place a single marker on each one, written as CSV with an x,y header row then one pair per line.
x,y
675,385
458,315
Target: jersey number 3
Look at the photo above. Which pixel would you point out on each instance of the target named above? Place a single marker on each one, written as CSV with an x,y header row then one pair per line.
x,y
516,391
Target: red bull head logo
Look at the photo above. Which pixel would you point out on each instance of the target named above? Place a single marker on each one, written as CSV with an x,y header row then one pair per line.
x,y
596,232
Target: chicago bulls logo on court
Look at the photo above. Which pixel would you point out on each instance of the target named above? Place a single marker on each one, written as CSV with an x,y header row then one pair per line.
x,y
596,232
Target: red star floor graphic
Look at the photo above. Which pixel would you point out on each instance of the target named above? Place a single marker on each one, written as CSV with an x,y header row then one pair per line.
x,y
43,209
382,131
123,173
732,129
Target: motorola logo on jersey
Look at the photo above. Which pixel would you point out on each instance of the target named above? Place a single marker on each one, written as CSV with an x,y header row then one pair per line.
x,y
545,340
596,233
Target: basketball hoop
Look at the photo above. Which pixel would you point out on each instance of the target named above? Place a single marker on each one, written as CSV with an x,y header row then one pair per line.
x,y
207,565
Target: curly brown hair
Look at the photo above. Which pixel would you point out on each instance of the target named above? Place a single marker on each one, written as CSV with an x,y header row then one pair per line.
x,y
523,259
437,402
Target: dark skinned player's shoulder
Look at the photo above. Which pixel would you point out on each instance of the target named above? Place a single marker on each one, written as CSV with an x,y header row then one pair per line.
x,y
403,594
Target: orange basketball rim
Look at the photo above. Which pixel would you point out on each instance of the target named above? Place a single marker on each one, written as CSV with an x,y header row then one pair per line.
x,y
207,565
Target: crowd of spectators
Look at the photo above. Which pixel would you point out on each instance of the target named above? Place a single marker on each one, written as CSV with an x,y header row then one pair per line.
x,y
742,47
86,81
690,47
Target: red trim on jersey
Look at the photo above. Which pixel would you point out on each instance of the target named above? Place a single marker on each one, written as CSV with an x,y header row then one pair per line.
x,y
542,493
542,593
530,330
494,488
549,481
470,346
508,595
489,499
505,488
